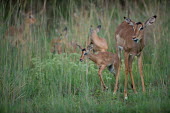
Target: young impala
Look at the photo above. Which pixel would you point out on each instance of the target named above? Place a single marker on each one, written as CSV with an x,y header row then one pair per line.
x,y
62,44
99,44
103,60
130,38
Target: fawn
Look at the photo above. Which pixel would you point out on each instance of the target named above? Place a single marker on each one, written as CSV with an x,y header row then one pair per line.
x,y
103,60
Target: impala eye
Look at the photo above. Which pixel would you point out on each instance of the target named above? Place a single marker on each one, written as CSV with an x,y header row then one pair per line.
x,y
136,40
141,28
85,53
30,16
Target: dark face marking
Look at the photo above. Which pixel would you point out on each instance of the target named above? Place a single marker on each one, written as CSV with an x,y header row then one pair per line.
x,y
84,49
141,28
139,23
83,54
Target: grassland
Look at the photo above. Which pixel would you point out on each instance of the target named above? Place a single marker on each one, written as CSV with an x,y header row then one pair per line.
x,y
34,80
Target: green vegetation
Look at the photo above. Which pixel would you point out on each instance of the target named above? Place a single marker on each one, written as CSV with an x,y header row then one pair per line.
x,y
34,80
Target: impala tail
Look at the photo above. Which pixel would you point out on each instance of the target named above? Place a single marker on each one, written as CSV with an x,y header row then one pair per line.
x,y
111,68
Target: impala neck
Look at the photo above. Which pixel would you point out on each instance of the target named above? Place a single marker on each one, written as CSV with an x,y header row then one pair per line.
x,y
26,28
92,57
94,36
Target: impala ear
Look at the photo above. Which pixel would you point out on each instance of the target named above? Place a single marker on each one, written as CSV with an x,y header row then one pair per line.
x,y
128,20
22,13
79,47
90,47
98,28
150,21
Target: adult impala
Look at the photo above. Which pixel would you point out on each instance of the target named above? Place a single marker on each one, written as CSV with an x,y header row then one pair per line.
x,y
15,35
62,44
21,34
129,37
99,44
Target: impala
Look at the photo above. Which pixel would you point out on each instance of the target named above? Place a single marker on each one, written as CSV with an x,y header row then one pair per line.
x,y
129,37
99,44
19,35
62,44
15,35
103,60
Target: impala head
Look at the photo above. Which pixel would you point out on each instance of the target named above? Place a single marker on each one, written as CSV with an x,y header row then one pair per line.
x,y
139,27
94,31
83,54
84,51
29,18
63,33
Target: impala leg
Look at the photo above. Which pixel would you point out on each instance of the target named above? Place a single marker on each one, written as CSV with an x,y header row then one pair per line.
x,y
58,48
14,42
141,71
100,77
119,54
21,40
117,79
54,49
74,49
126,55
130,71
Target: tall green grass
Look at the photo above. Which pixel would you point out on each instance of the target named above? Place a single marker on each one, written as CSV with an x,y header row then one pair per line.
x,y
36,80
